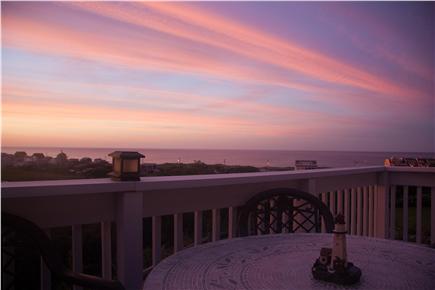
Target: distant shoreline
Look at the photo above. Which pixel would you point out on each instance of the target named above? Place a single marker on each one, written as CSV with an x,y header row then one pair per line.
x,y
260,158
21,166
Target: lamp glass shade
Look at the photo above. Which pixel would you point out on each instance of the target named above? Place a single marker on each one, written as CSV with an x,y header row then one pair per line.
x,y
117,165
130,166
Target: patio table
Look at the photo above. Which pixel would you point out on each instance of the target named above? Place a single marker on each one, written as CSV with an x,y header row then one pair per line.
x,y
284,261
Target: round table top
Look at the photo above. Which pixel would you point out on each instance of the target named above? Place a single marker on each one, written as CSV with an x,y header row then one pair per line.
x,y
284,261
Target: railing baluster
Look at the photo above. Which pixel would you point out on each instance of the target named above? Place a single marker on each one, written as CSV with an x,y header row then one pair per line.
x,y
359,218
311,188
106,249
45,272
353,211
381,206
332,202
393,212
405,213
77,251
418,213
340,201
178,232
346,209
232,222
432,216
376,208
157,239
216,224
371,210
198,227
324,200
365,211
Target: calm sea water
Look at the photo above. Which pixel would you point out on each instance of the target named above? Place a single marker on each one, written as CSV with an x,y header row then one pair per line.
x,y
234,157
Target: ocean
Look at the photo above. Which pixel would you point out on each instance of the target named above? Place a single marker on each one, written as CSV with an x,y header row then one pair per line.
x,y
259,158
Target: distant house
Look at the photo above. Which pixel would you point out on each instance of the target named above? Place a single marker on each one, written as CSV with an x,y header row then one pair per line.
x,y
37,156
20,155
7,159
305,164
394,161
430,162
62,156
410,162
86,160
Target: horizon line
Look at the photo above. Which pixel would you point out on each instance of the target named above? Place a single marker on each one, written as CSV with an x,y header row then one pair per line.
x,y
215,149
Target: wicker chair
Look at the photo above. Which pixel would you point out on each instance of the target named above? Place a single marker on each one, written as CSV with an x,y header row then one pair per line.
x,y
283,210
19,234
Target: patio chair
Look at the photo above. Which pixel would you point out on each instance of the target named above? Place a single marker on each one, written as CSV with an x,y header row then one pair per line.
x,y
283,210
19,234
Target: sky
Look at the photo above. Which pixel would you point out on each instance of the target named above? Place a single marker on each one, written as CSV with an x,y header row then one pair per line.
x,y
219,75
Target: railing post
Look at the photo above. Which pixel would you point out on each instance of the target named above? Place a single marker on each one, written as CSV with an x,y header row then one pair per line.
x,y
432,216
45,272
381,206
418,213
405,213
77,251
156,239
129,239
178,232
216,224
197,240
393,189
232,222
106,249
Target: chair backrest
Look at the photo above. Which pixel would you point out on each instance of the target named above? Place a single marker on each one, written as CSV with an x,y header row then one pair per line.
x,y
283,210
19,232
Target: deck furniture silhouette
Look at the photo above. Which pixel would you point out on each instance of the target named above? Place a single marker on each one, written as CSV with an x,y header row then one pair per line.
x,y
18,232
284,210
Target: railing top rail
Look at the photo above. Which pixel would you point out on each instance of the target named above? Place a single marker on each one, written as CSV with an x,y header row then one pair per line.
x,y
410,169
106,185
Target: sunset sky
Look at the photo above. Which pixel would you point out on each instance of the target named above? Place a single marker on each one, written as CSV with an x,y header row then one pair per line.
x,y
282,75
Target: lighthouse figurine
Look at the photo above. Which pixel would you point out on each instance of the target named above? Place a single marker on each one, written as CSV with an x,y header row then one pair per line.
x,y
332,265
339,251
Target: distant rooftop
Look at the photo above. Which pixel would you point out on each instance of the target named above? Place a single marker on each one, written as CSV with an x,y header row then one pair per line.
x,y
410,162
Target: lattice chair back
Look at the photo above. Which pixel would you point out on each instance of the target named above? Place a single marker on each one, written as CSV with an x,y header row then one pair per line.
x,y
22,239
283,210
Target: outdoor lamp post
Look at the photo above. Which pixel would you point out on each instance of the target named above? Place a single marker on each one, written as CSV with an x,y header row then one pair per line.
x,y
126,165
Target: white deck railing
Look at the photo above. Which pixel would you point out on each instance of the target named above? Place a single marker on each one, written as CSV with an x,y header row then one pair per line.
x,y
364,195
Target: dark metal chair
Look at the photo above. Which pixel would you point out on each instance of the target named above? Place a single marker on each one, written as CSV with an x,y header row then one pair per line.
x,y
276,210
19,233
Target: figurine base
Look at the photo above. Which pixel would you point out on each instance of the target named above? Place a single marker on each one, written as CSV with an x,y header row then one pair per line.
x,y
345,276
